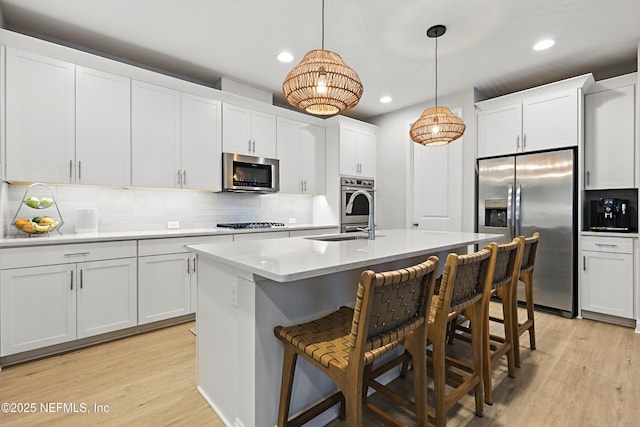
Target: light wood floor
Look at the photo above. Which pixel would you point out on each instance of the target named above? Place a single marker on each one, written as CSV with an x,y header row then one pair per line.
x,y
584,373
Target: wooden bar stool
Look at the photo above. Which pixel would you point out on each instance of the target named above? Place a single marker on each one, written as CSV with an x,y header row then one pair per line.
x,y
526,277
503,285
391,310
463,284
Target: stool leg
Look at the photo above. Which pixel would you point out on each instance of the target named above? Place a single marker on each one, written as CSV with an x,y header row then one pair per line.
x,y
288,370
486,355
475,317
418,351
504,294
439,380
529,292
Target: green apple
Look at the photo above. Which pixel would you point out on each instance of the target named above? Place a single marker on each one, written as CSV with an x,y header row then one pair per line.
x,y
33,202
45,202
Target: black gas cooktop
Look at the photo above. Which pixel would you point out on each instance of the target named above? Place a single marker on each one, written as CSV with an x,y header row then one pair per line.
x,y
238,225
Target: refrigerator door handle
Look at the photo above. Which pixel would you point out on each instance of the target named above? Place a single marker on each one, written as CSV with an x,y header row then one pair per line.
x,y
518,210
510,217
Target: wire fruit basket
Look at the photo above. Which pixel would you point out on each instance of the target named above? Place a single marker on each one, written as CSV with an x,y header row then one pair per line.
x,y
38,199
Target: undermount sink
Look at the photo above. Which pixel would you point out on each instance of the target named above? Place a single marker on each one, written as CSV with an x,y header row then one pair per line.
x,y
340,237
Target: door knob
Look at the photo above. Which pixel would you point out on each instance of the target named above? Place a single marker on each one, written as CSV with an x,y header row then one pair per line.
x,y
415,223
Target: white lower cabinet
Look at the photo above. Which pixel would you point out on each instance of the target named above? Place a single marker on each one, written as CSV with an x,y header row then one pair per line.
x,y
167,277
78,297
607,276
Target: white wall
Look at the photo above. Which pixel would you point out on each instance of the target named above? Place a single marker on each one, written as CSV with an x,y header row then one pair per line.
x,y
140,209
394,157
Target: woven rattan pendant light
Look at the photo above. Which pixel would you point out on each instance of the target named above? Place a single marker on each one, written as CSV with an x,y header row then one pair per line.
x,y
322,83
437,125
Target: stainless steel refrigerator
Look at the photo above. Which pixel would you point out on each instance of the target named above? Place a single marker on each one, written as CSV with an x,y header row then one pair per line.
x,y
521,194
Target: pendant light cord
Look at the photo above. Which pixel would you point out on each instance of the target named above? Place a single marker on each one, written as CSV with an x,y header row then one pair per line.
x,y
436,71
322,24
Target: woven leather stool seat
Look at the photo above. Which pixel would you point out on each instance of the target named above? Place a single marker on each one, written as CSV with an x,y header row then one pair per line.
x,y
390,310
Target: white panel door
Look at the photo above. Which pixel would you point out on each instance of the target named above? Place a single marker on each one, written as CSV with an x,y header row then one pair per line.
x,y
103,128
437,186
236,130
164,287
201,143
263,134
37,307
607,283
348,159
499,131
289,154
155,133
40,129
313,159
609,138
550,121
106,296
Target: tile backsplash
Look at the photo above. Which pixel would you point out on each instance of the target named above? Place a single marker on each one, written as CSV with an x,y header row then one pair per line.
x,y
141,209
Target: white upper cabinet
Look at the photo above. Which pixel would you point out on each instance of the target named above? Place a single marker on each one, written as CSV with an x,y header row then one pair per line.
x,y
609,153
248,132
550,121
40,129
357,150
301,151
201,143
537,119
103,128
155,130
499,130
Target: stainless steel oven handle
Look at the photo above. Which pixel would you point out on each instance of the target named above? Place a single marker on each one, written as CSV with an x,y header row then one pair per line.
x,y
371,190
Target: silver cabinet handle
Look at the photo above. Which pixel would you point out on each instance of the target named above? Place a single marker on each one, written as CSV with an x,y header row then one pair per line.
x,y
79,170
188,266
184,177
81,280
524,142
194,264
71,279
588,178
70,170
584,263
77,254
249,146
254,145
607,245
517,142
305,185
179,177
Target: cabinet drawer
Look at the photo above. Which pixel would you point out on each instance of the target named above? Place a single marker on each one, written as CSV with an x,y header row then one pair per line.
x,y
619,245
174,245
63,254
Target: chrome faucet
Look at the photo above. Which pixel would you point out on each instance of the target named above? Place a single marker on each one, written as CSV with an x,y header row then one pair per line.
x,y
371,228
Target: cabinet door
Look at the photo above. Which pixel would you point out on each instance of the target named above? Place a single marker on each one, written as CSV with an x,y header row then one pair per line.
x,y
313,159
164,288
348,160
103,128
37,306
366,154
289,154
263,134
550,121
155,129
106,296
607,283
40,129
236,130
499,131
201,143
609,138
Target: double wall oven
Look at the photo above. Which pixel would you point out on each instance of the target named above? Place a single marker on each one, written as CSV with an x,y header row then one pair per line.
x,y
359,216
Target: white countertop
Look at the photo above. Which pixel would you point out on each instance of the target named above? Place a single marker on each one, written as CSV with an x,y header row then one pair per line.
x,y
291,259
54,238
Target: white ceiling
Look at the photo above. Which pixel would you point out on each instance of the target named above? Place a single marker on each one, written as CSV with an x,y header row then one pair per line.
x,y
488,44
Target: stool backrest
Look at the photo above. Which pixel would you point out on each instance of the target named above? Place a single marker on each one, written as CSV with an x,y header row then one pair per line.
x,y
465,279
530,250
390,305
508,262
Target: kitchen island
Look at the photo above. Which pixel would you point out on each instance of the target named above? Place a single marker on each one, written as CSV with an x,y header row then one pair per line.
x,y
246,289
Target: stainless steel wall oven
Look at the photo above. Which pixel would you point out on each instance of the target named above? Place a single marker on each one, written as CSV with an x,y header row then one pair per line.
x,y
359,216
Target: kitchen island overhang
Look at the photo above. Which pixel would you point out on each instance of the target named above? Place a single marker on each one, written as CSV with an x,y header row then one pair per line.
x,y
245,289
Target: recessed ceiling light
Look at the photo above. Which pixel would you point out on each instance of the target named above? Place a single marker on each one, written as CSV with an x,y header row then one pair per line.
x,y
544,44
285,57
385,99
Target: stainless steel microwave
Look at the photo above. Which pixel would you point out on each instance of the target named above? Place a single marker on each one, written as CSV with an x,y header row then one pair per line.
x,y
247,173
